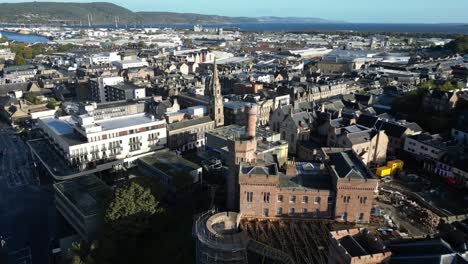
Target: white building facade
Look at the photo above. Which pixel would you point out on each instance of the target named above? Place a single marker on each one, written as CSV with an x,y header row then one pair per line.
x,y
86,142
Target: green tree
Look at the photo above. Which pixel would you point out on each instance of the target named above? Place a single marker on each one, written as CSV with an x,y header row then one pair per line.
x,y
19,60
141,44
447,86
81,253
459,45
131,210
31,98
52,103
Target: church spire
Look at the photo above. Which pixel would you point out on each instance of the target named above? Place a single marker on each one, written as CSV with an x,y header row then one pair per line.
x,y
216,102
215,85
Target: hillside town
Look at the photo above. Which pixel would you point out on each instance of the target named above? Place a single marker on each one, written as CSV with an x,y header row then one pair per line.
x,y
217,145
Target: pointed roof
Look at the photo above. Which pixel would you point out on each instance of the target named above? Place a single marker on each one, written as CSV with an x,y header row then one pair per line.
x,y
215,80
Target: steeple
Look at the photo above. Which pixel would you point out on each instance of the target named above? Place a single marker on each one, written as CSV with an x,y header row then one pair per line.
x,y
216,100
215,81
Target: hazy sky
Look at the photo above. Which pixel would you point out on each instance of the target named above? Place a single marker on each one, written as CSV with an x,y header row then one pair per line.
x,y
384,11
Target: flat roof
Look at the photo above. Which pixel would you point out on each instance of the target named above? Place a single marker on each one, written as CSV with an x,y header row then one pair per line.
x,y
229,132
88,194
60,126
169,163
51,158
125,121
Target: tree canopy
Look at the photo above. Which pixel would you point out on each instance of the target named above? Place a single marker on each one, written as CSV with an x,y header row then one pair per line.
x,y
30,97
459,45
131,210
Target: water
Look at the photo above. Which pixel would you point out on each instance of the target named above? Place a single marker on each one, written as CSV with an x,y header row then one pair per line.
x,y
362,27
356,27
23,38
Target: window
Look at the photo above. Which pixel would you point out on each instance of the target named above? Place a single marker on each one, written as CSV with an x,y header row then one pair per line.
x,y
265,212
249,197
292,199
362,200
361,216
291,211
279,211
280,198
304,210
346,199
344,217
266,197
317,200
305,199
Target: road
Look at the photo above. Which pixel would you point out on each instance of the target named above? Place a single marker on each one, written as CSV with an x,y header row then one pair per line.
x,y
27,209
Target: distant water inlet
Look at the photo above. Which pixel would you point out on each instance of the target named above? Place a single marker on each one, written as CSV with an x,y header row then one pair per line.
x,y
24,38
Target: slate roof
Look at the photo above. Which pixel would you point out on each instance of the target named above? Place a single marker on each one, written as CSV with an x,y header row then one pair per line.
x,y
348,165
367,120
266,170
188,123
425,251
361,136
8,100
10,87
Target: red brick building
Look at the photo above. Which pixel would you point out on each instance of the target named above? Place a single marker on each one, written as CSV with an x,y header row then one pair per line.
x,y
340,188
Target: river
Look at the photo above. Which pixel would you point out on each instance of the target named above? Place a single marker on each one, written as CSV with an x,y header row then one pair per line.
x,y
24,38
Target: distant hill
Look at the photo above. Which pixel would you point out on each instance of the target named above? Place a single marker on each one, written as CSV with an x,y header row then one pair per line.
x,y
54,12
103,13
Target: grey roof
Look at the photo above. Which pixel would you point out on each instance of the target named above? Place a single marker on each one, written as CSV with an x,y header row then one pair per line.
x,y
8,100
188,123
88,194
367,120
265,170
435,251
348,165
10,87
361,136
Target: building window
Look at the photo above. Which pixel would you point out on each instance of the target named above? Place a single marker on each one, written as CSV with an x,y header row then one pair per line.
x,y
279,211
346,199
305,199
292,199
362,200
265,212
249,197
304,211
317,200
280,198
361,216
291,211
266,197
344,217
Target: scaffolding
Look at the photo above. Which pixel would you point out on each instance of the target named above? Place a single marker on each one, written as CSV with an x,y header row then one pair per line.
x,y
288,240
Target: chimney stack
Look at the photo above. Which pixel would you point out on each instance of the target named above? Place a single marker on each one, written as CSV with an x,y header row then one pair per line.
x,y
251,120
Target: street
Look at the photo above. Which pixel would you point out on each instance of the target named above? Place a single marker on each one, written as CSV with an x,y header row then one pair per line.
x,y
25,207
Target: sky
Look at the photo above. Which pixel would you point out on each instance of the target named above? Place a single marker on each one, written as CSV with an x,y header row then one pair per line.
x,y
358,11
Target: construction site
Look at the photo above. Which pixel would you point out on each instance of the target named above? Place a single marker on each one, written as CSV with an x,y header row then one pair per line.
x,y
228,238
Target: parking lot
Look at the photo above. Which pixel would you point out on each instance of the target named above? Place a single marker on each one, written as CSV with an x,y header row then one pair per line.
x,y
27,210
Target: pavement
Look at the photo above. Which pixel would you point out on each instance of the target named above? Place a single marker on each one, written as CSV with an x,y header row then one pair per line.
x,y
27,210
